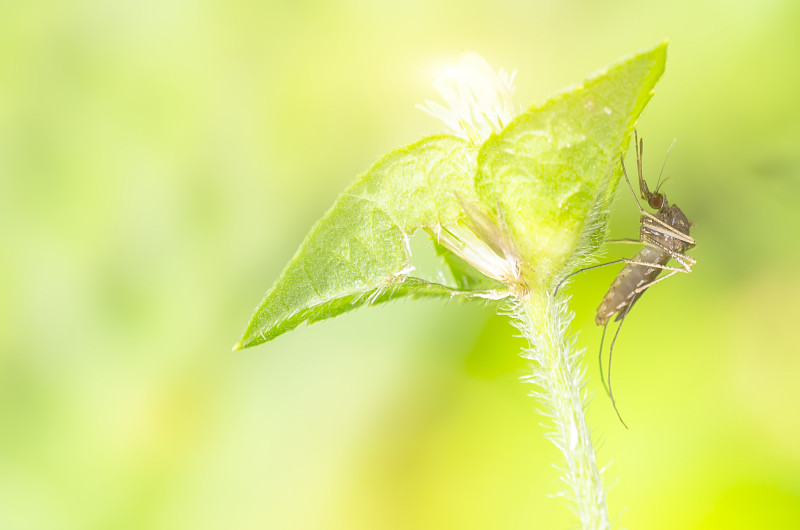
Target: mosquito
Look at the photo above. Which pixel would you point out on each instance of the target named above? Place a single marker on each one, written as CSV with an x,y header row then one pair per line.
x,y
665,236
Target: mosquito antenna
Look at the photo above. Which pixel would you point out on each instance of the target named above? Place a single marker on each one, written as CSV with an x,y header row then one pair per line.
x,y
664,164
600,360
662,182
610,353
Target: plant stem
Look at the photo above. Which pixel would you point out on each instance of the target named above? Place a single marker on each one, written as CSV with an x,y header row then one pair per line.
x,y
557,372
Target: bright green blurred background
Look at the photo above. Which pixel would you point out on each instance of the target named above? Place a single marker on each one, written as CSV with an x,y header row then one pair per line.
x,y
161,160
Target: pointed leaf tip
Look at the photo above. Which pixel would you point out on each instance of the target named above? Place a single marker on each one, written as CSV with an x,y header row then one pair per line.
x,y
553,170
358,252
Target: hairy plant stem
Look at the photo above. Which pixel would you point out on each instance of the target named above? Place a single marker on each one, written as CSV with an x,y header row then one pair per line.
x,y
558,373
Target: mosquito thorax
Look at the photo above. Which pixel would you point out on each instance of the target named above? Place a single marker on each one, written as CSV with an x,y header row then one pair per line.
x,y
677,219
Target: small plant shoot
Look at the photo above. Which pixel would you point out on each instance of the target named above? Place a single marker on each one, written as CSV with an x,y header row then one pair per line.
x,y
514,202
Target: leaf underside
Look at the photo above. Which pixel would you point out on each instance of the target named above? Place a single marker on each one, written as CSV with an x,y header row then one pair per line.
x,y
550,174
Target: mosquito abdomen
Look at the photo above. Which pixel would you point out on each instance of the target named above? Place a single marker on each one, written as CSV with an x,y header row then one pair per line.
x,y
622,293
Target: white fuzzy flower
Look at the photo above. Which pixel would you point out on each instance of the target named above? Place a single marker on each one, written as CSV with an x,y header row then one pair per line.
x,y
478,103
479,241
477,99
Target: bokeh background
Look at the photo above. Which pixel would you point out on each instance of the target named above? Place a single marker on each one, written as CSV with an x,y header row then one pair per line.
x,y
161,160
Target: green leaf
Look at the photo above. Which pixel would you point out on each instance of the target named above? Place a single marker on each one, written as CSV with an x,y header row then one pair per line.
x,y
547,178
552,172
358,253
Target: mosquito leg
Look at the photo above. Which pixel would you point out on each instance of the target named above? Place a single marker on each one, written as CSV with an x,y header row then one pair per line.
x,y
600,360
639,158
677,256
610,354
641,289
625,240
570,275
686,268
625,174
681,258
656,266
686,264
667,230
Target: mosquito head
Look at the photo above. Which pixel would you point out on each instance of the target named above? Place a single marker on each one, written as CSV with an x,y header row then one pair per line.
x,y
657,201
